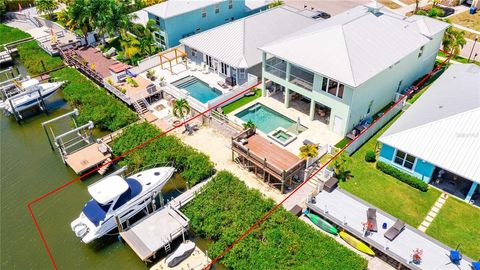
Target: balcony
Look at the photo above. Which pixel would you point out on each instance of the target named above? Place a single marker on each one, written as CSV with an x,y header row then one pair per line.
x,y
277,67
301,77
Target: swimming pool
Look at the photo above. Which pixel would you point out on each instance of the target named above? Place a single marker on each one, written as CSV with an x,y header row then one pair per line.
x,y
268,120
197,88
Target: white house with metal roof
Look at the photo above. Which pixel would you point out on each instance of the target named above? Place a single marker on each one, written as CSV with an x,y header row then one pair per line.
x,y
438,138
347,68
231,50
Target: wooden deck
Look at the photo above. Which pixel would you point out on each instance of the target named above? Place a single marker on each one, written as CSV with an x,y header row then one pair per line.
x,y
155,232
86,158
93,56
274,154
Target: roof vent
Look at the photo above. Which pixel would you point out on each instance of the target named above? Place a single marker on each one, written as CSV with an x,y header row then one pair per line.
x,y
374,7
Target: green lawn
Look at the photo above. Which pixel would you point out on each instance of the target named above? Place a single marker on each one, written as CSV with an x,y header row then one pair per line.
x,y
32,57
385,192
459,59
458,223
10,34
242,101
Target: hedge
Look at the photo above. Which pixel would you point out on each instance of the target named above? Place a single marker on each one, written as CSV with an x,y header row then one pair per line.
x,y
402,176
226,208
32,56
94,103
167,149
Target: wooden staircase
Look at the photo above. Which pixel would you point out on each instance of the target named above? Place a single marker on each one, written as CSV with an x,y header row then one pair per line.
x,y
141,106
105,165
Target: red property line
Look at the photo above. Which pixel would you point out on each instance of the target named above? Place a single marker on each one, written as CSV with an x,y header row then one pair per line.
x,y
30,204
260,221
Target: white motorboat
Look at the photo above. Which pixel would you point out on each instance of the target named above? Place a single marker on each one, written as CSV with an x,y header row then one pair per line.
x,y
29,96
114,196
180,254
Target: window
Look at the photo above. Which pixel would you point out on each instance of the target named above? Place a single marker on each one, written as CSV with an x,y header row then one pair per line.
x,y
324,84
399,85
241,73
204,13
194,52
230,4
405,160
224,68
208,60
197,30
332,87
217,8
421,52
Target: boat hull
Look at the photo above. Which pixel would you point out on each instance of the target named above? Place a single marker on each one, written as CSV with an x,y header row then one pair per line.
x,y
357,244
322,224
32,99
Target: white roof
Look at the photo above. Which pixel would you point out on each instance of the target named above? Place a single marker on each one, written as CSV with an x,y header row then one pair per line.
x,y
356,45
443,126
108,189
172,8
254,4
29,83
236,43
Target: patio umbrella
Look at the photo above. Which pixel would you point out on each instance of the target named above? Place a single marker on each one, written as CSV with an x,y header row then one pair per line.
x,y
298,123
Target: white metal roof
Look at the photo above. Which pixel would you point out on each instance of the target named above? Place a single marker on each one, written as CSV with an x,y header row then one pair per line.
x,y
254,4
172,8
356,45
236,43
108,189
443,126
142,17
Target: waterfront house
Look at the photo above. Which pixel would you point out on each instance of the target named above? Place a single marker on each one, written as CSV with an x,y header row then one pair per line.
x,y
177,19
347,68
438,138
231,50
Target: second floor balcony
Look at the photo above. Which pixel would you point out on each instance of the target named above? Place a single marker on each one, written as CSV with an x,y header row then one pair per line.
x,y
277,67
301,77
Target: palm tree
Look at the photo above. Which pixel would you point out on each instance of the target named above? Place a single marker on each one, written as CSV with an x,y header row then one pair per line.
x,y
130,45
181,108
453,41
78,17
102,13
46,6
146,36
307,151
249,125
275,3
340,167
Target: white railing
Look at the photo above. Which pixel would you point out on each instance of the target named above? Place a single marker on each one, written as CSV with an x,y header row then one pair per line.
x,y
117,92
183,94
146,64
322,150
252,81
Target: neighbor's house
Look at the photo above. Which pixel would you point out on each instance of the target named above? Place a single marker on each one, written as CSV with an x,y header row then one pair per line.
x,y
177,19
347,68
231,50
441,131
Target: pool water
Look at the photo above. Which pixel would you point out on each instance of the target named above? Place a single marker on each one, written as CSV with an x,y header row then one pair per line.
x,y
266,119
282,136
197,88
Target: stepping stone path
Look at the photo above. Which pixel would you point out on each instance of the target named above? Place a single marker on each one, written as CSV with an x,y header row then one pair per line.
x,y
433,212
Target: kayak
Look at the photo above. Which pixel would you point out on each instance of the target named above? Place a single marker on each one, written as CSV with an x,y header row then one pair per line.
x,y
354,242
321,223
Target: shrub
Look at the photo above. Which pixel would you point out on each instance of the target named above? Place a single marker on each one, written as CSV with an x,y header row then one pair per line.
x,y
435,12
402,176
167,149
94,103
227,207
33,56
370,156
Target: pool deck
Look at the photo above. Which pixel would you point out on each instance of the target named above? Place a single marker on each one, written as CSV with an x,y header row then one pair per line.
x,y
348,212
316,132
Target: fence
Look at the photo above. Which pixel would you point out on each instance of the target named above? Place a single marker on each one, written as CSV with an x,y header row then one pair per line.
x,y
376,126
252,81
146,64
224,125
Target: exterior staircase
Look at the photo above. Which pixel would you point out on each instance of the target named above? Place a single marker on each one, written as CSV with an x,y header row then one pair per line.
x,y
141,106
168,248
106,164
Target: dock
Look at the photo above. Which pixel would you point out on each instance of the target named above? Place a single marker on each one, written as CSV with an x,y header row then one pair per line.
x,y
5,57
155,232
87,157
159,229
348,213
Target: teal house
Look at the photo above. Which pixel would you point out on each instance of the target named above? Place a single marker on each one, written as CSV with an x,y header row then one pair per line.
x,y
438,138
178,19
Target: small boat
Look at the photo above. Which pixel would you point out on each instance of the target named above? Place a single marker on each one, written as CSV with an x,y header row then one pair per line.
x,y
115,196
321,223
180,254
354,242
29,96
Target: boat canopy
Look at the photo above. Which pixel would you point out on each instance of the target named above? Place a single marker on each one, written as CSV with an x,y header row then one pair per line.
x,y
95,212
134,188
108,189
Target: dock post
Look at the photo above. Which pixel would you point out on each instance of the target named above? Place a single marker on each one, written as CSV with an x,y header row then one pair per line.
x,y
15,113
119,224
161,199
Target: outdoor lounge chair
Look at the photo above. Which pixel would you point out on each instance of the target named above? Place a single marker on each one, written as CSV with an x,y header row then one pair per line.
x,y
372,219
110,52
330,184
222,84
395,230
193,66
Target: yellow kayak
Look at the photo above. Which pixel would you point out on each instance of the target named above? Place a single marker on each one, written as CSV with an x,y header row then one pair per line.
x,y
354,242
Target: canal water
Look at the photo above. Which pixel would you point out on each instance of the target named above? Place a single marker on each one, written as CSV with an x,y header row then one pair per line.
x,y
30,169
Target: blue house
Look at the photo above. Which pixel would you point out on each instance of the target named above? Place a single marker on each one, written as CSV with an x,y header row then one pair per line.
x,y
178,19
438,138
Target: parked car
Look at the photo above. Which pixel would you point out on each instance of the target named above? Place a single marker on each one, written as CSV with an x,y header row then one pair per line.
x,y
447,11
321,14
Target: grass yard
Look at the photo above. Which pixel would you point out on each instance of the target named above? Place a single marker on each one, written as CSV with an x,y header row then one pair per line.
x,y
458,223
242,101
459,59
384,191
33,56
468,34
468,20
10,34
